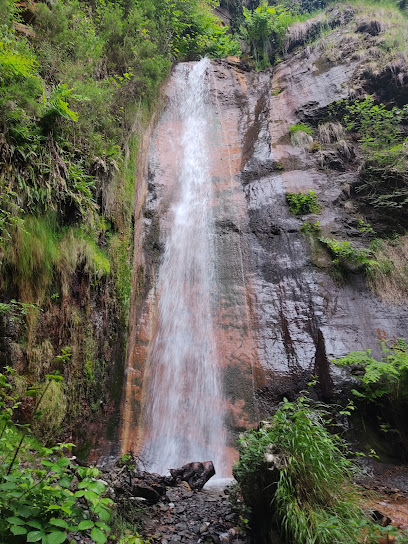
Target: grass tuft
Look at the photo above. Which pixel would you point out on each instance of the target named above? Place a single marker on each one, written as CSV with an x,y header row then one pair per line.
x,y
295,471
31,255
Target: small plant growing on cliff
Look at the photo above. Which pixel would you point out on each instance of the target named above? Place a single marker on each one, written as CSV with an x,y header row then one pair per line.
x,y
311,228
301,127
303,203
298,472
384,379
344,253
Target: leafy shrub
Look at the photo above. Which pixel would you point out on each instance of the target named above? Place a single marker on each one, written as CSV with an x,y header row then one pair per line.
x,y
383,182
37,498
311,228
378,125
303,203
382,390
306,487
196,31
264,30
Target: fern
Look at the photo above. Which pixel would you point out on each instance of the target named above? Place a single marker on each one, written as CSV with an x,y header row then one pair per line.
x,y
385,378
57,105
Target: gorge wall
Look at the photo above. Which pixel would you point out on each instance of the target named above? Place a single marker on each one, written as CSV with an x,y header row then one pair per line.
x,y
281,314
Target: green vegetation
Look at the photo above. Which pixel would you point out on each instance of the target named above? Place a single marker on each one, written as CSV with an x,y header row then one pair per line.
x,y
382,391
383,178
311,228
301,127
381,129
292,470
38,500
389,277
78,84
385,378
303,203
264,29
378,125
31,257
345,254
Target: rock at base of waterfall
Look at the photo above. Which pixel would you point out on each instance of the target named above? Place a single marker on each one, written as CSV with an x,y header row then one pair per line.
x,y
195,474
150,490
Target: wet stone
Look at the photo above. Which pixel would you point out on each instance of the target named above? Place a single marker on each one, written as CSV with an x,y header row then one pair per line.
x,y
193,517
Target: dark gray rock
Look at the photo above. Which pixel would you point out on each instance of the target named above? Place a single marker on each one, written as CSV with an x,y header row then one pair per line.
x,y
195,474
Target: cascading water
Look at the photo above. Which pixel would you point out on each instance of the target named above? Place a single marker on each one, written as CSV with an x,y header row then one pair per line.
x,y
183,400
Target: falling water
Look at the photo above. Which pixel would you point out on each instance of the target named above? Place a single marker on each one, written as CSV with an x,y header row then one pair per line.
x,y
183,413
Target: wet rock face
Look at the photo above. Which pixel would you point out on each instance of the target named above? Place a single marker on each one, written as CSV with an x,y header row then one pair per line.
x,y
280,315
303,316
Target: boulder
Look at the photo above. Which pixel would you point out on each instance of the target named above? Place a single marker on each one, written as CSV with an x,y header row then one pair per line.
x,y
149,490
195,474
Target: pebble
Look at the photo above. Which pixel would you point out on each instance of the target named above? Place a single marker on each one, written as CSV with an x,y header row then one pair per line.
x,y
183,516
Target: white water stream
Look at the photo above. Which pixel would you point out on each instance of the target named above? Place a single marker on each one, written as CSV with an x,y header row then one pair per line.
x,y
184,407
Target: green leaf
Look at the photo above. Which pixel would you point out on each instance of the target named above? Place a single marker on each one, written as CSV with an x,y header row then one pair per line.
x,y
102,526
85,524
98,535
35,524
90,495
8,486
24,511
63,462
80,493
35,536
15,521
64,482
102,512
57,537
59,523
18,530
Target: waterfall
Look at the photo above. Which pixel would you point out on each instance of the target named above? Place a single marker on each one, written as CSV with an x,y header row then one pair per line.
x,y
183,400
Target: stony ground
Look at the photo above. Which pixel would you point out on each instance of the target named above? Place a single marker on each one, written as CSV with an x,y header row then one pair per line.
x,y
385,489
194,517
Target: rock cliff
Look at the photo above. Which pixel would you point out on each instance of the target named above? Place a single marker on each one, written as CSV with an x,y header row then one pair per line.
x,y
282,314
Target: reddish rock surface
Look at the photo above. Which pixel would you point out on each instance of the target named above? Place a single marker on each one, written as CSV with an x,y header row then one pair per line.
x,y
281,316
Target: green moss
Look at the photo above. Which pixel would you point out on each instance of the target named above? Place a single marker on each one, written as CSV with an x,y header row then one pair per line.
x,y
79,250
120,254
